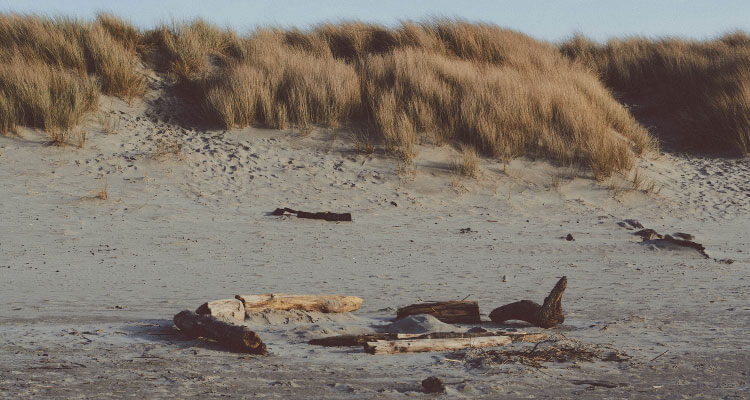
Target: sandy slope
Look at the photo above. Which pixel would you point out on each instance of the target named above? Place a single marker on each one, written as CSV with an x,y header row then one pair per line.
x,y
89,286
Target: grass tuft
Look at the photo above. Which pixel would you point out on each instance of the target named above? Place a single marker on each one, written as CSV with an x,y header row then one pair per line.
x,y
468,164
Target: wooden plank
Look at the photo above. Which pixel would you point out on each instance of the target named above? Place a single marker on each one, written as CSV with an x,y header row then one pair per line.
x,y
425,345
360,340
229,310
285,302
451,312
234,337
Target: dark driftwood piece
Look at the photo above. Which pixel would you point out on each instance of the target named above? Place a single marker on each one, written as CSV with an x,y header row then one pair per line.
x,y
653,237
326,216
451,312
360,340
234,337
433,384
684,243
548,315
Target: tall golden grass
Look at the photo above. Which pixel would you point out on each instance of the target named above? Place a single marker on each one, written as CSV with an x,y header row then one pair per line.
x,y
39,95
52,70
696,93
478,85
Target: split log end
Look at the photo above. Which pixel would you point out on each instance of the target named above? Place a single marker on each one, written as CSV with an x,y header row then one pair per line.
x,y
234,337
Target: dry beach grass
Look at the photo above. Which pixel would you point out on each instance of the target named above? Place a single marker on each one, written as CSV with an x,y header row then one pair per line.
x,y
696,91
442,81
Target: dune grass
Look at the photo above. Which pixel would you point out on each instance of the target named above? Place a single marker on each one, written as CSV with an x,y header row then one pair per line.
x,y
52,71
497,90
47,97
475,86
696,93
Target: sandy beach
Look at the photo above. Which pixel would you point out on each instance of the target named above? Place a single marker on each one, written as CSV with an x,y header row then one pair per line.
x,y
89,285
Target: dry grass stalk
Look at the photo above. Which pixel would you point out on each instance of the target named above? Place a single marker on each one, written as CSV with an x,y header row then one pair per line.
x,y
168,148
539,354
468,164
110,124
102,193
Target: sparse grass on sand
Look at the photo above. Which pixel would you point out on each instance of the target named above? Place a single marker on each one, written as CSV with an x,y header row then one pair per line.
x,y
468,164
696,93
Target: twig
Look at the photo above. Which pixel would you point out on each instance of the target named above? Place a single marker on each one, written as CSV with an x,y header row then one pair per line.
x,y
665,352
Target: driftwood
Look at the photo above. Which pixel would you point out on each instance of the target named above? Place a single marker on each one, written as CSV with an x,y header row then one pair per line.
x,y
360,340
229,310
326,216
451,312
433,384
548,315
425,345
234,337
286,302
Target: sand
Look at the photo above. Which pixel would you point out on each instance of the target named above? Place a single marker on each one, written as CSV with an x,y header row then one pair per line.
x,y
89,286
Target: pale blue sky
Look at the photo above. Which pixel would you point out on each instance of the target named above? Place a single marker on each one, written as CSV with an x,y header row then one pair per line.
x,y
545,19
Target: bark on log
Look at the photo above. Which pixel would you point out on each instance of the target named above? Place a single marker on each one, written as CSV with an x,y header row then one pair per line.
x,y
234,337
229,310
425,345
548,315
326,216
359,340
451,312
286,302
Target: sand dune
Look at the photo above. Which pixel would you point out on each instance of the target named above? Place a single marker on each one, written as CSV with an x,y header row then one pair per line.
x,y
89,285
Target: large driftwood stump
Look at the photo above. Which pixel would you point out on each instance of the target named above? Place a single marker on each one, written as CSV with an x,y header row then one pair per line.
x,y
229,310
234,337
425,345
548,315
451,312
285,302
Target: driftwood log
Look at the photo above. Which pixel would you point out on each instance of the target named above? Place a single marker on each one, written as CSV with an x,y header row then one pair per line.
x,y
229,310
286,302
326,216
425,345
360,340
451,312
233,337
548,315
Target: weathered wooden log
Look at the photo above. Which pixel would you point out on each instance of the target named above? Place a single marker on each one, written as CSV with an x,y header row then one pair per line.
x,y
286,302
548,315
425,345
326,216
359,340
233,337
229,310
451,312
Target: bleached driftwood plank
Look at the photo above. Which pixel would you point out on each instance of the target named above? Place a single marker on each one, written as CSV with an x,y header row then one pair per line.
x,y
425,345
229,310
304,302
